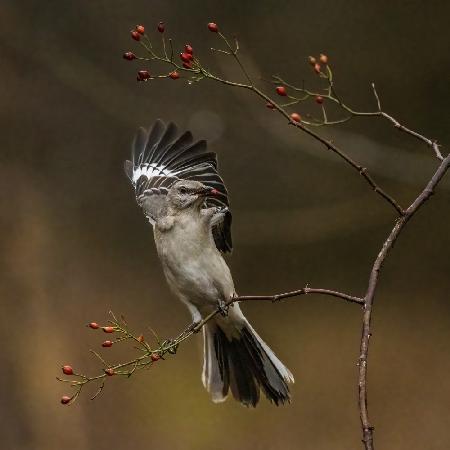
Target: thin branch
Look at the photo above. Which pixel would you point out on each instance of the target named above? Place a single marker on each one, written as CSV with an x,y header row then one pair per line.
x,y
304,291
377,98
433,144
331,95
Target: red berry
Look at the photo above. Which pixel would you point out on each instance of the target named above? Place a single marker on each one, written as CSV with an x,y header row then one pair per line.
x,y
155,357
317,68
141,76
112,329
319,99
174,75
67,370
296,117
270,105
281,90
161,27
140,29
186,57
65,399
110,372
312,60
107,344
94,325
187,65
129,56
135,35
188,49
323,58
141,338
213,27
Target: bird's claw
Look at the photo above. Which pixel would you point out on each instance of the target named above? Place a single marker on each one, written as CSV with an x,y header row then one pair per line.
x,y
223,308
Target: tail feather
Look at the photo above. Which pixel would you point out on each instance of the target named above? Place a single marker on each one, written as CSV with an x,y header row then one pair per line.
x,y
243,364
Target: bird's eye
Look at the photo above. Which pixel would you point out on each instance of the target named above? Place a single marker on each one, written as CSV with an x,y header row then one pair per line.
x,y
183,190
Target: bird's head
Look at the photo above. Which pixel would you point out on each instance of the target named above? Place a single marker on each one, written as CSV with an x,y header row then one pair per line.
x,y
188,194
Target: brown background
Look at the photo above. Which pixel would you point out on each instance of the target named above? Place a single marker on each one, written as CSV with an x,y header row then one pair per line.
x,y
75,245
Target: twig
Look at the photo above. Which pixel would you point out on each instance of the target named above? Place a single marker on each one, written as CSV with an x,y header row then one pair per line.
x,y
304,291
380,113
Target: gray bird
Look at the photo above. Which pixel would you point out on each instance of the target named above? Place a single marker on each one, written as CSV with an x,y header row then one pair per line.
x,y
179,189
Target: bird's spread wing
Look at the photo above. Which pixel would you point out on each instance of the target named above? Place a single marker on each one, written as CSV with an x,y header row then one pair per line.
x,y
162,156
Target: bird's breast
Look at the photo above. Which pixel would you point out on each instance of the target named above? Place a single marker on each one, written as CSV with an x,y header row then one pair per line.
x,y
193,266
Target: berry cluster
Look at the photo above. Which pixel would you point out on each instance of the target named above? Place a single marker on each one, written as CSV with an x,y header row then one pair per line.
x,y
146,358
189,67
188,61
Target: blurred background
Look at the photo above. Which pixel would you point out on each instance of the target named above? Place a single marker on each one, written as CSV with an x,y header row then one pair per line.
x,y
75,245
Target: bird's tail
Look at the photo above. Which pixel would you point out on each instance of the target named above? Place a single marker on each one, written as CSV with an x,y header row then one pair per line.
x,y
241,361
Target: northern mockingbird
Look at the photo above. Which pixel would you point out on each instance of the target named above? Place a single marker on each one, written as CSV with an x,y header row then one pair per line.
x,y
181,193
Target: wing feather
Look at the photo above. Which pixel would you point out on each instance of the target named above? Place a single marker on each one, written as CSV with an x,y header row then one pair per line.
x,y
161,157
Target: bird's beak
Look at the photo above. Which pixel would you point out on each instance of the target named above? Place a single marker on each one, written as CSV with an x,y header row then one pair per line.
x,y
208,191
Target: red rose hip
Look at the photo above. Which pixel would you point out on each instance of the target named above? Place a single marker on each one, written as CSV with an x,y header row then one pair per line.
x,y
188,49
107,344
142,75
319,99
135,35
129,56
94,325
67,370
161,27
65,399
213,27
281,90
174,75
186,57
296,117
140,29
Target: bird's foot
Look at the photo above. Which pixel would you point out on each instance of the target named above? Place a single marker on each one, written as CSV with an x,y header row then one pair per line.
x,y
223,308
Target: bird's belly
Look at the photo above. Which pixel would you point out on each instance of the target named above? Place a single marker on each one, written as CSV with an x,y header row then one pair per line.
x,y
196,273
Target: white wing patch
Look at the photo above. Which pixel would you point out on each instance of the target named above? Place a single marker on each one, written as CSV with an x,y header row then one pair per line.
x,y
150,170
